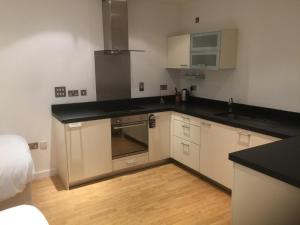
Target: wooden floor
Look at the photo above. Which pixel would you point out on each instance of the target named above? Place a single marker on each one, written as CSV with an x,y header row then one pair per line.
x,y
162,195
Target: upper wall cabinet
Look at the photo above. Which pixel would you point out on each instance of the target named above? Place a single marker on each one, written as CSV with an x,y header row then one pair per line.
x,y
211,51
179,51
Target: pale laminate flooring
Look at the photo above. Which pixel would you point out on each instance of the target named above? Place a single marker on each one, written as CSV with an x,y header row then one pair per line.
x,y
162,195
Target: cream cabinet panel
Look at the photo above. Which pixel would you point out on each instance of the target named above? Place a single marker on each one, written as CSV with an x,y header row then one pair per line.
x,y
130,161
186,118
260,139
187,131
217,141
179,51
159,137
186,152
89,149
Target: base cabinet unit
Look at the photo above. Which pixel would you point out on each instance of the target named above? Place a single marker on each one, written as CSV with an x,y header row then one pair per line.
x,y
185,140
130,161
186,153
217,142
260,199
84,150
205,146
159,137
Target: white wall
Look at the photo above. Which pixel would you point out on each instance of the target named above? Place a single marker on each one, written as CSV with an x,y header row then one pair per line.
x,y
47,43
44,44
150,22
268,69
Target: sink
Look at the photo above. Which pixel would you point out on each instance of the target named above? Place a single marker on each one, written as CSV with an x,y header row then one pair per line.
x,y
235,116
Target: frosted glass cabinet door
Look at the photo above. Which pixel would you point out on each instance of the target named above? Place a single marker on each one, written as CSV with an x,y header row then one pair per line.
x,y
205,42
200,60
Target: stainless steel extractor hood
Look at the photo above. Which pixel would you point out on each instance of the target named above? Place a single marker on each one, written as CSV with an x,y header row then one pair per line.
x,y
115,26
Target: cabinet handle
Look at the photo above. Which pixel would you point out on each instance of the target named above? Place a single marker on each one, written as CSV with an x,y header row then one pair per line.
x,y
185,150
186,126
183,65
244,134
244,143
75,125
184,144
131,161
185,118
206,124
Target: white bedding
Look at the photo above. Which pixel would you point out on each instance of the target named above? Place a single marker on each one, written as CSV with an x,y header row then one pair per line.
x,y
16,165
22,215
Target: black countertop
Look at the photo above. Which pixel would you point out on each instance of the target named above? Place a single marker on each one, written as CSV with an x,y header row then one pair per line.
x,y
277,123
280,160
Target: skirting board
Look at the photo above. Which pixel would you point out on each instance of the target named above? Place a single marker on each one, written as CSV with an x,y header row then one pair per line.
x,y
44,173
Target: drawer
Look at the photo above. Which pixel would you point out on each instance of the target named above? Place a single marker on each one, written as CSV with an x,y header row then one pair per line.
x,y
187,153
130,161
186,119
187,131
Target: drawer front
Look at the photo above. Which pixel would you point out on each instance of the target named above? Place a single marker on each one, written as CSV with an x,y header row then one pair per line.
x,y
187,153
187,131
186,119
130,161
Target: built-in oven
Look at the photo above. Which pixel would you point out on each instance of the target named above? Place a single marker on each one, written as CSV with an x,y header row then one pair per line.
x,y
129,135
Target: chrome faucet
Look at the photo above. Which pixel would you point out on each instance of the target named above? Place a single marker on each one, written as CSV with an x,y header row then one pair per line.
x,y
230,105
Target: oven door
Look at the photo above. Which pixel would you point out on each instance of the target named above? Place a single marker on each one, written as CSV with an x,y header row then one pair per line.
x,y
129,139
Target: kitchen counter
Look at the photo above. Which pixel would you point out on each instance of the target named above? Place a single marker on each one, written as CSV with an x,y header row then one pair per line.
x,y
279,159
266,121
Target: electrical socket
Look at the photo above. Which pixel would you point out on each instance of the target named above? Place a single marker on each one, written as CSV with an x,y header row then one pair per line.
x,y
33,146
141,86
73,93
60,92
163,87
193,87
83,92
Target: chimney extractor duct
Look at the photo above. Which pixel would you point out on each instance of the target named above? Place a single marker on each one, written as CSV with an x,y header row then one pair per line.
x,y
115,26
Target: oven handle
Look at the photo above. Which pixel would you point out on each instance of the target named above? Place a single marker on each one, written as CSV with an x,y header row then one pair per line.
x,y
129,125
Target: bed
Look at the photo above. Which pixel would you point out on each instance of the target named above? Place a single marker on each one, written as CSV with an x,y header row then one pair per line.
x,y
23,214
16,171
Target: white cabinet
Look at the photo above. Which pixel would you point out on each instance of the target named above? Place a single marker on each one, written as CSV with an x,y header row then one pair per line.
x,y
179,51
84,150
205,146
187,131
186,152
260,139
185,140
217,141
130,161
208,50
214,50
159,137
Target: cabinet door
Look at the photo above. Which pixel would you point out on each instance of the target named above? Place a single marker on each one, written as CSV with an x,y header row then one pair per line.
x,y
186,152
159,137
260,139
89,149
217,142
179,51
187,131
205,42
208,60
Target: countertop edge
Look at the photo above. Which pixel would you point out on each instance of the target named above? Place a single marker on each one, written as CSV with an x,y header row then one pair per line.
x,y
266,171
